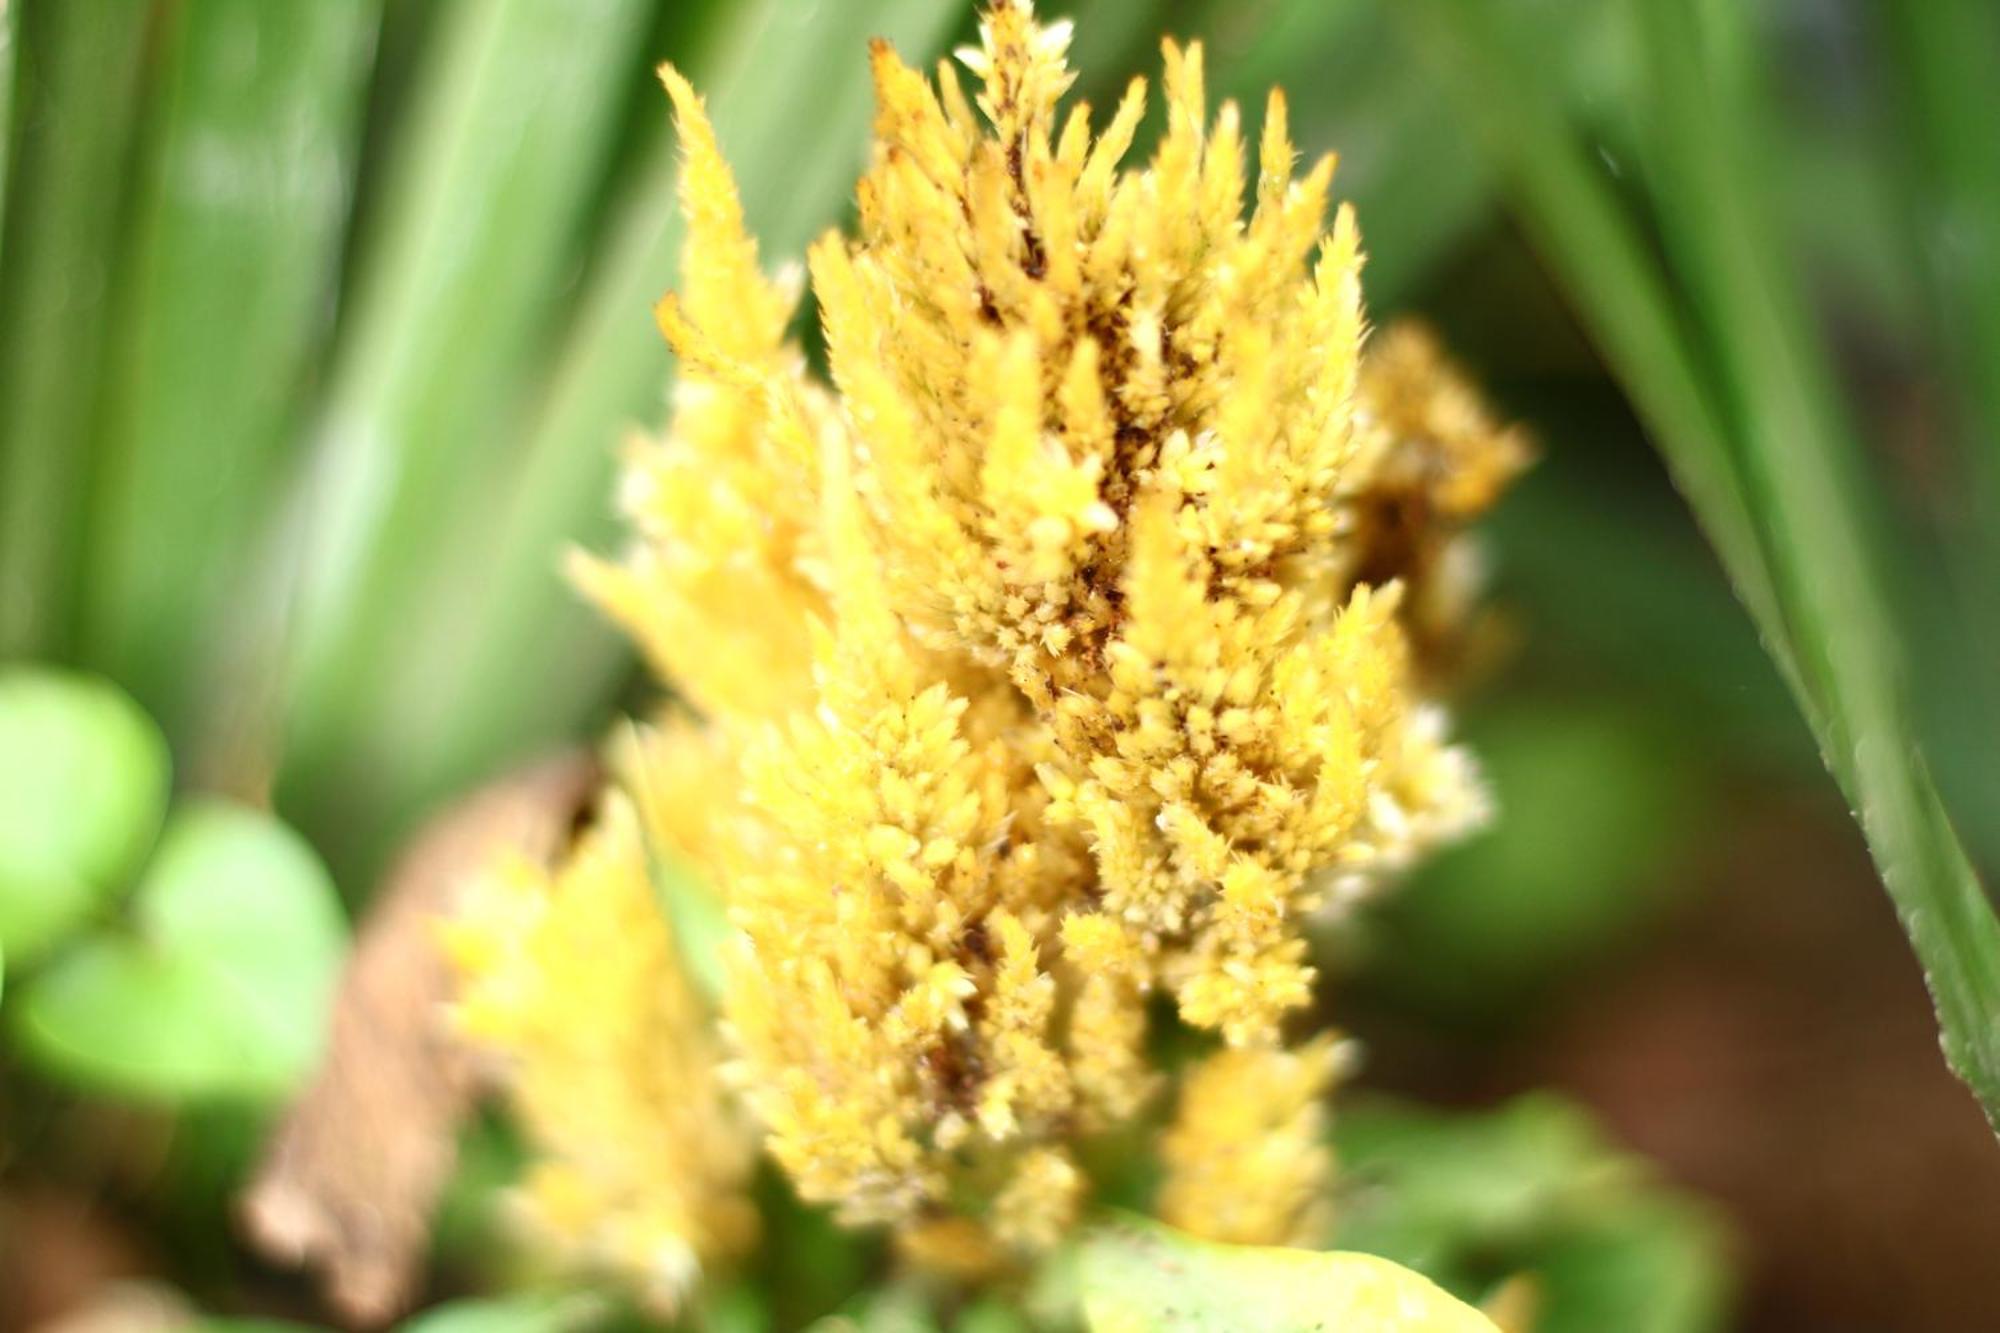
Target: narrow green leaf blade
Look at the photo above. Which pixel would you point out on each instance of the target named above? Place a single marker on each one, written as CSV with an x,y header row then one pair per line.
x,y
10,23
1758,446
501,658
1800,457
78,67
462,284
233,254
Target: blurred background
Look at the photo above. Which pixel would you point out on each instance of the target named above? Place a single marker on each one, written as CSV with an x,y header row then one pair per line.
x,y
321,323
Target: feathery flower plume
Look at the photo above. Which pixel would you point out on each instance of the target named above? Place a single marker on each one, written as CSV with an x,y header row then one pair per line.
x,y
572,979
1054,654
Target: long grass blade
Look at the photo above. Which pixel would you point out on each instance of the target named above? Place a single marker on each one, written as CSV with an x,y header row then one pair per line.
x,y
79,67
232,255
1945,55
1756,440
1799,452
10,23
525,661
461,277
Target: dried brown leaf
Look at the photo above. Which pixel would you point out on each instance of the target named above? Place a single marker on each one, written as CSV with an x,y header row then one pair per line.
x,y
351,1177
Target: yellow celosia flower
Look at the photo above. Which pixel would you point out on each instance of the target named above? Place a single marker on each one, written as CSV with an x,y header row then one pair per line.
x,y
573,980
1246,1155
1055,655
1442,461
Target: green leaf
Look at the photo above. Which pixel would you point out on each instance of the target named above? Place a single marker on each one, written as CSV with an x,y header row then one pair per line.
x,y
1656,1267
462,279
221,986
10,23
990,1316
83,786
1592,799
898,1309
1819,504
539,1312
528,661
1739,399
227,273
1138,1277
1531,1189
79,65
1423,1187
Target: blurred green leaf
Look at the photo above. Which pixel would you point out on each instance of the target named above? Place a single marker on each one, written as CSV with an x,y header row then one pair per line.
x,y
83,787
896,1309
1416,179
1530,1189
501,657
1946,178
462,282
1801,460
536,1312
1140,1278
1653,1267
990,1316
1572,212
221,987
735,1308
10,23
1424,1187
1946,57
231,257
791,97
77,71
1593,808
1740,404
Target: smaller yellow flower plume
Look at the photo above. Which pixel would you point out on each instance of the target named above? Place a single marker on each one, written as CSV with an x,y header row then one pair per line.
x,y
572,980
1246,1155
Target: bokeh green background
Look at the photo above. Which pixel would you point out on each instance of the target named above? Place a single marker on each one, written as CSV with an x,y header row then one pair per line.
x,y
321,323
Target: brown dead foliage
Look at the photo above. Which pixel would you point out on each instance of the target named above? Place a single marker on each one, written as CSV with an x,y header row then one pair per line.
x,y
350,1179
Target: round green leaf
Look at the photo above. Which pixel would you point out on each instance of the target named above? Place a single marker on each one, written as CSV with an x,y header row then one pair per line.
x,y
221,986
83,785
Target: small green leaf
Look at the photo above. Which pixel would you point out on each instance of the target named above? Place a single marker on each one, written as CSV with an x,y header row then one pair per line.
x,y
83,785
221,986
1530,1189
540,1312
1421,1182
1138,1278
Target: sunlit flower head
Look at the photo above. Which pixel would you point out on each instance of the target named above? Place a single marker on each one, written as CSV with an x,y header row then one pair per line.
x,y
1054,651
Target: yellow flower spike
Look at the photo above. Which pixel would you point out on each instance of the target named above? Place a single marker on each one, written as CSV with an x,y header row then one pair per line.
x,y
1246,1155
1068,649
644,1167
